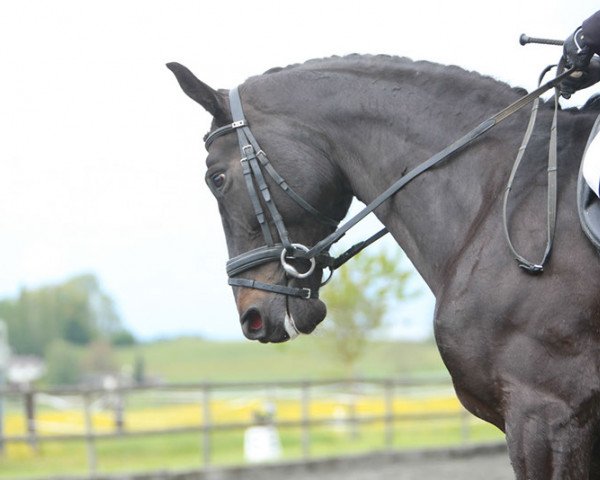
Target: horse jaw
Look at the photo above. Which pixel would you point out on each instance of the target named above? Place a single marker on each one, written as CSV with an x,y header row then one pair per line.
x,y
303,316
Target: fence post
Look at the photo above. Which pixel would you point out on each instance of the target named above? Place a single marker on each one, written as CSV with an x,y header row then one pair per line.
x,y
30,410
89,435
206,426
389,414
2,391
119,404
353,419
305,420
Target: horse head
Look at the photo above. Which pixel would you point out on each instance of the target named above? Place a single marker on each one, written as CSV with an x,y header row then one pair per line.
x,y
271,207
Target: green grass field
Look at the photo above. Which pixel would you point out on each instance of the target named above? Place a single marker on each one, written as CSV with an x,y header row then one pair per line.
x,y
192,360
307,358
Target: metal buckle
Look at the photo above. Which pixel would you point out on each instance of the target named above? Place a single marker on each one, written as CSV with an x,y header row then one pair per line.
x,y
248,151
238,124
534,269
308,293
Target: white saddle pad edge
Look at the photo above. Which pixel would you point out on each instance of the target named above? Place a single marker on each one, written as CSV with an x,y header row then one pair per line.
x,y
590,167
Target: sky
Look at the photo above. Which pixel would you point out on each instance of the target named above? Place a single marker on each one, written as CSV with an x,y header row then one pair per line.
x,y
101,153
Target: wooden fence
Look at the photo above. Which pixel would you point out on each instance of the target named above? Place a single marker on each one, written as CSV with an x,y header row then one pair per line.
x,y
204,394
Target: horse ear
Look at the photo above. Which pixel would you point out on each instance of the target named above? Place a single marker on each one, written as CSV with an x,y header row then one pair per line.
x,y
214,102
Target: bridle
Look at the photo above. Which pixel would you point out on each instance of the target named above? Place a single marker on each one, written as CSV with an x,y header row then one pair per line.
x,y
255,163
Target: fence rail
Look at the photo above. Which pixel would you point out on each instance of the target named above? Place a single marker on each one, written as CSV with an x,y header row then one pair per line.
x,y
305,394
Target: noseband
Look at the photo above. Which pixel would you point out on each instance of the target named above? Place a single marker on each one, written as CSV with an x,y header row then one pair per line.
x,y
254,160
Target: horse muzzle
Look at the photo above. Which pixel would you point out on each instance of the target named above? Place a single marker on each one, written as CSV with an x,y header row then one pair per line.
x,y
270,323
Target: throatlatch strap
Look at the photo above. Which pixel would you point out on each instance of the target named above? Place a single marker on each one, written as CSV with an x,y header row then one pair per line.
x,y
264,161
245,137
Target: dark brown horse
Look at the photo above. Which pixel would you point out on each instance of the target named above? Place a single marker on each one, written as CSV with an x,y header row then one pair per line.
x,y
523,350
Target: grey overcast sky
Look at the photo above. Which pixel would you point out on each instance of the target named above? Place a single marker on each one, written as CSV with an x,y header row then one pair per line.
x,y
101,158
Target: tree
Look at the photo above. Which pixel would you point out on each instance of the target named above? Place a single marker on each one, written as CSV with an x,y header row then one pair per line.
x,y
77,310
122,338
358,298
63,364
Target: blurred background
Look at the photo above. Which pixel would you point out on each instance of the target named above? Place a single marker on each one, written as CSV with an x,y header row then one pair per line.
x,y
112,278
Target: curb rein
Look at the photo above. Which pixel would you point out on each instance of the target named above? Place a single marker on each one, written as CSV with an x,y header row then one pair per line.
x,y
254,160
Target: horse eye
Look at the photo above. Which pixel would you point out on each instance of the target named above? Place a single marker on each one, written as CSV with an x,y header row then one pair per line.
x,y
218,180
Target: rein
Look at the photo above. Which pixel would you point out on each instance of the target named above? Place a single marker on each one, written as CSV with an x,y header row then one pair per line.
x,y
552,195
254,160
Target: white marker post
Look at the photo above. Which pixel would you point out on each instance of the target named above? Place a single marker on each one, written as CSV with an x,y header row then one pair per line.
x,y
261,441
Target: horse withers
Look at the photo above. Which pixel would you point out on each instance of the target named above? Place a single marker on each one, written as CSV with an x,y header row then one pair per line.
x,y
523,350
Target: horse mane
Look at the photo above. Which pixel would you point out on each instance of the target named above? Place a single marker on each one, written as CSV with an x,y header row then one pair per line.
x,y
390,63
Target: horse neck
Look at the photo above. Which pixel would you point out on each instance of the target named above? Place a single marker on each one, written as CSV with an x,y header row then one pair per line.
x,y
387,131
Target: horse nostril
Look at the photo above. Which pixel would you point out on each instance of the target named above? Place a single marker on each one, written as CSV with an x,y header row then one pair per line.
x,y
254,320
252,324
